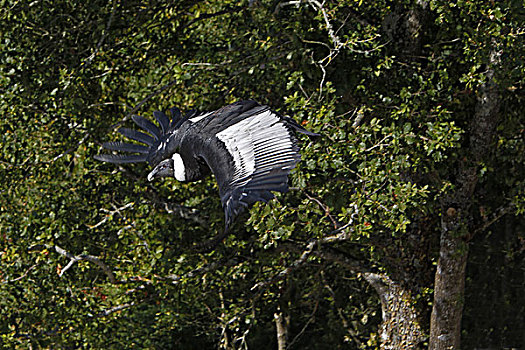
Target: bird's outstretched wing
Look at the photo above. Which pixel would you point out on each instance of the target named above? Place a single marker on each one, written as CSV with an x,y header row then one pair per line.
x,y
251,150
158,143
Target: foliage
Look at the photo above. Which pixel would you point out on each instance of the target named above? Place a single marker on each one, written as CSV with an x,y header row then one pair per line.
x,y
395,130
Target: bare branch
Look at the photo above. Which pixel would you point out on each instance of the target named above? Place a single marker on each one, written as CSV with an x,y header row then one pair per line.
x,y
176,279
115,309
110,214
498,214
335,39
335,236
71,149
339,235
104,35
379,144
321,84
301,332
323,207
205,64
21,276
285,3
340,313
90,258
294,266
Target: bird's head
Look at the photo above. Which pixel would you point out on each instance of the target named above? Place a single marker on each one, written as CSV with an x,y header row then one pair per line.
x,y
171,167
163,169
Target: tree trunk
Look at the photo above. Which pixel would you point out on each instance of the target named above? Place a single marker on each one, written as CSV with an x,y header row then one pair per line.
x,y
281,325
400,328
449,286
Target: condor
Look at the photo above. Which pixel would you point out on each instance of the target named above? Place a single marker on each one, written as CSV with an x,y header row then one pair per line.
x,y
249,148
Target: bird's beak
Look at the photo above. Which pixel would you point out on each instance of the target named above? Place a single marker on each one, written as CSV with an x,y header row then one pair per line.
x,y
151,175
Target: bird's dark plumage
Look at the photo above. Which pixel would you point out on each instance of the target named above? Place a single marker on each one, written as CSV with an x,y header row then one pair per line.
x,y
249,148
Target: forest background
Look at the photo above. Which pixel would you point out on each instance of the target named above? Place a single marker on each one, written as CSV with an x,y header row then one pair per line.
x,y
404,227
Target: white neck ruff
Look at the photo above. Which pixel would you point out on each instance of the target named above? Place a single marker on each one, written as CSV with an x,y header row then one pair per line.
x,y
178,167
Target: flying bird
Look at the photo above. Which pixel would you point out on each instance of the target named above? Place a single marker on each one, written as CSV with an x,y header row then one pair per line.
x,y
249,148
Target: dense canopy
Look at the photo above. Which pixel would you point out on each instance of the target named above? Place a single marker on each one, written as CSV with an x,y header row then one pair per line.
x,y
403,226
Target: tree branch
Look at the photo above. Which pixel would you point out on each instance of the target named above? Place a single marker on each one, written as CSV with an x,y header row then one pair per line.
x,y
115,309
176,279
89,60
21,276
311,319
86,257
323,207
498,214
353,265
70,149
292,267
335,39
335,236
110,214
229,9
399,328
181,210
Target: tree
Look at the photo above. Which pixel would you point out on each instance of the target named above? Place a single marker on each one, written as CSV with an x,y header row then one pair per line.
x,y
420,162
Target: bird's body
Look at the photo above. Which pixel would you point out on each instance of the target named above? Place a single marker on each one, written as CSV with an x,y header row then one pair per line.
x,y
249,148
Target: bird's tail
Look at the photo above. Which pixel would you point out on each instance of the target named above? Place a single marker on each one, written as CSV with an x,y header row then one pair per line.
x,y
294,125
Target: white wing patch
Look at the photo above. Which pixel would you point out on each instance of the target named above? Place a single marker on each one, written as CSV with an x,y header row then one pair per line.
x,y
199,117
259,143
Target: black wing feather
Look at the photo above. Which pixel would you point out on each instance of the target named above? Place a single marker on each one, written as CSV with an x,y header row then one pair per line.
x,y
120,158
176,118
147,125
163,120
232,114
125,147
137,136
